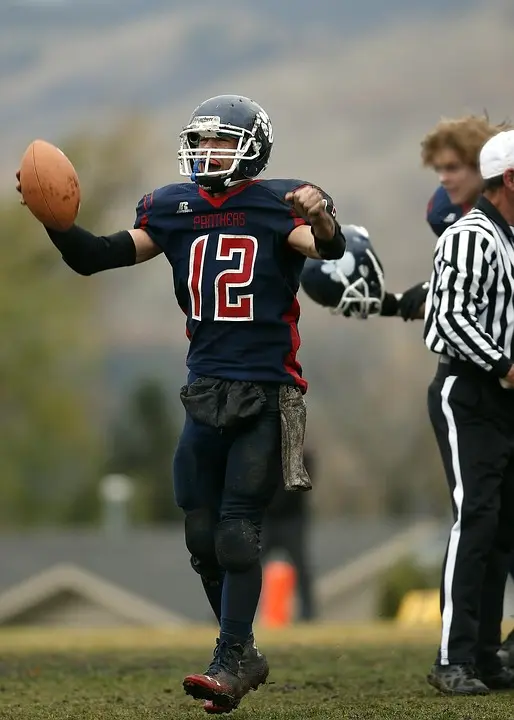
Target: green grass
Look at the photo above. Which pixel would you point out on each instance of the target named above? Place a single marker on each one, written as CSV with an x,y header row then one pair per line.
x,y
330,682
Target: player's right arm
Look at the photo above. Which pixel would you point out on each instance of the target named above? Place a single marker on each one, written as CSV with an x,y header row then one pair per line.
x,y
146,248
87,253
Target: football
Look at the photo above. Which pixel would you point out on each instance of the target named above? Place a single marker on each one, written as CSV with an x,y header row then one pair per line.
x,y
49,185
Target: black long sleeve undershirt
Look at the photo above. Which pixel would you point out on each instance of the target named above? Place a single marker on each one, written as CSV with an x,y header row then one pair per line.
x,y
86,253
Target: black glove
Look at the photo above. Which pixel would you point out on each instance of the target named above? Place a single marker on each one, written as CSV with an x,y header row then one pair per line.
x,y
390,305
412,300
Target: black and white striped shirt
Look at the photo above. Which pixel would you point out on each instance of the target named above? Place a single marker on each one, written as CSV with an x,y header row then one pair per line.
x,y
469,310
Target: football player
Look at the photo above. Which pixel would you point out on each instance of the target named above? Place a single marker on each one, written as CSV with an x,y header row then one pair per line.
x,y
237,246
452,149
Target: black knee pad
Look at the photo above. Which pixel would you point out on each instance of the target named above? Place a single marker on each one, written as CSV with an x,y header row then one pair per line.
x,y
237,545
208,569
200,527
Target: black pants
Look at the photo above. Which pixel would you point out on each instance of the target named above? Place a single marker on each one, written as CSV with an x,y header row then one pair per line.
x,y
473,420
290,534
229,474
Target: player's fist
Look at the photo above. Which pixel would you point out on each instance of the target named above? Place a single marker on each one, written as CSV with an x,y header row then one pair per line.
x,y
308,202
18,186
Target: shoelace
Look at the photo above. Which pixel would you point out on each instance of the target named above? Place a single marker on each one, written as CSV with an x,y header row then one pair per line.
x,y
215,657
470,672
223,657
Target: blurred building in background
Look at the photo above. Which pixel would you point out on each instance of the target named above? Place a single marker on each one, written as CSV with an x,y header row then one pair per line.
x,y
143,576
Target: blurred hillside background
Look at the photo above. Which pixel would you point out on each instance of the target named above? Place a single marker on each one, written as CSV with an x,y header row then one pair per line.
x,y
91,367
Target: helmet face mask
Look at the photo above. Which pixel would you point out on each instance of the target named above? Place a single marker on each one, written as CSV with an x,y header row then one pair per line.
x,y
362,296
191,155
353,285
226,116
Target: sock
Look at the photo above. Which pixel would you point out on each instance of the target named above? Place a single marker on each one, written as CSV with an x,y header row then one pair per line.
x,y
213,590
239,601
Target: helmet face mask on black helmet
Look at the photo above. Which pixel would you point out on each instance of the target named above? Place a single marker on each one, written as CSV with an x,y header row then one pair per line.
x,y
231,117
354,285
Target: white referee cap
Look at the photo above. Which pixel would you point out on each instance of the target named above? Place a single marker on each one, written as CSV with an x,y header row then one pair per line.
x,y
497,155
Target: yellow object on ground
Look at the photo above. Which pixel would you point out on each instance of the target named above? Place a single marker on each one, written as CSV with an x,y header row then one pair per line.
x,y
420,607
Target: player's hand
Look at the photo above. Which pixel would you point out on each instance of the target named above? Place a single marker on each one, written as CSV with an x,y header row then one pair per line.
x,y
307,201
390,304
18,186
310,204
412,302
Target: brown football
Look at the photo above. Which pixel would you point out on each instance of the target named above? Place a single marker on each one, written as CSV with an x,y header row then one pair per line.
x,y
49,185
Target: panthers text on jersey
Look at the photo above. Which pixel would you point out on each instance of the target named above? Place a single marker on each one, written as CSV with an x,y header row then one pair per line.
x,y
236,278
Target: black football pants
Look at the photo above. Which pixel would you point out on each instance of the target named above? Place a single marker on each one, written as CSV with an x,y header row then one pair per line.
x,y
473,421
230,474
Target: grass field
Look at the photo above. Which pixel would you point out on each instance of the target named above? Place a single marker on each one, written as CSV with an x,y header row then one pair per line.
x,y
327,672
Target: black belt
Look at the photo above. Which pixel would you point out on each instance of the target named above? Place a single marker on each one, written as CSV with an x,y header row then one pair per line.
x,y
463,368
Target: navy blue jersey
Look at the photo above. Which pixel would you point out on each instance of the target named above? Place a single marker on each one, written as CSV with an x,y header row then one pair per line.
x,y
441,212
236,278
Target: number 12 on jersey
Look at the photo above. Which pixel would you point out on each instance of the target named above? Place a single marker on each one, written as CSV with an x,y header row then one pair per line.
x,y
240,307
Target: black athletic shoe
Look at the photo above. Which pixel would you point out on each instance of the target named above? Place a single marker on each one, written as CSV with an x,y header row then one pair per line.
x,y
457,680
253,670
221,682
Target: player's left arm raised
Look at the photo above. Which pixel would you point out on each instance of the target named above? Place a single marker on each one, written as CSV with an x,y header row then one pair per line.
x,y
321,238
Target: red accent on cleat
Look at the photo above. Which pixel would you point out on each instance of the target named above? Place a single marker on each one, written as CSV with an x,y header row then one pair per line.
x,y
211,708
205,687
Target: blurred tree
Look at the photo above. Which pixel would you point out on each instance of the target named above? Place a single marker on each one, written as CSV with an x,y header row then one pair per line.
x,y
142,446
415,484
368,412
48,440
406,575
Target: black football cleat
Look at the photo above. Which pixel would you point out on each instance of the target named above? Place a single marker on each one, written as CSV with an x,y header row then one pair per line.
x,y
457,680
253,671
253,668
220,683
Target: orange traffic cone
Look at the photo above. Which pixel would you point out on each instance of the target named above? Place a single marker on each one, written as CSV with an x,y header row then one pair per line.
x,y
278,591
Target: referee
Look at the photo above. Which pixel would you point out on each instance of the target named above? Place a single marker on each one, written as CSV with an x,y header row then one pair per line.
x,y
469,322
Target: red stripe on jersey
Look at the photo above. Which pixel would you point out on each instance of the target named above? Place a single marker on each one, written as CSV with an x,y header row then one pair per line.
x,y
291,364
218,201
147,204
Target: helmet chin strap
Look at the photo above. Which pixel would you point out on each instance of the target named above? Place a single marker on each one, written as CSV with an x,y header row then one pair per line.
x,y
215,184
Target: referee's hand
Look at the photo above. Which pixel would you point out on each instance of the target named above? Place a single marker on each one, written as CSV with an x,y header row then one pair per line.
x,y
507,382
